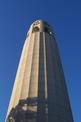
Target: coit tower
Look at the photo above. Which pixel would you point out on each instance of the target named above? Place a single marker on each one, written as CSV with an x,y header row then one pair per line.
x,y
39,93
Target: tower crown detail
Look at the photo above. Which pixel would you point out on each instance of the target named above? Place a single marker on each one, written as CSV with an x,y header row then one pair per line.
x,y
41,26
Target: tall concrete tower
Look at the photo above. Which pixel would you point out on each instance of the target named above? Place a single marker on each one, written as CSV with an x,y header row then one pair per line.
x,y
39,92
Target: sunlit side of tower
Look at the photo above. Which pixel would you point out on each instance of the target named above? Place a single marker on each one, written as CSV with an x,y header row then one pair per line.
x,y
39,92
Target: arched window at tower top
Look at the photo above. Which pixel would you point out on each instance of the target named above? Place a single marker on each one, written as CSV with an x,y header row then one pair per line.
x,y
35,29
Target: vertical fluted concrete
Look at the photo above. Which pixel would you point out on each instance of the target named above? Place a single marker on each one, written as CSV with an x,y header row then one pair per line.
x,y
39,92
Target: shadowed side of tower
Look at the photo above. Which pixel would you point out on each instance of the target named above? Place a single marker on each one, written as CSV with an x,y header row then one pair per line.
x,y
39,92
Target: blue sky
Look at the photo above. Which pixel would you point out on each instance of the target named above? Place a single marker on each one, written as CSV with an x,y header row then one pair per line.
x,y
15,19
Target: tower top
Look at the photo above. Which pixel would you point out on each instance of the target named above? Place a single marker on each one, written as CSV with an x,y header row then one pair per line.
x,y
40,21
40,26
